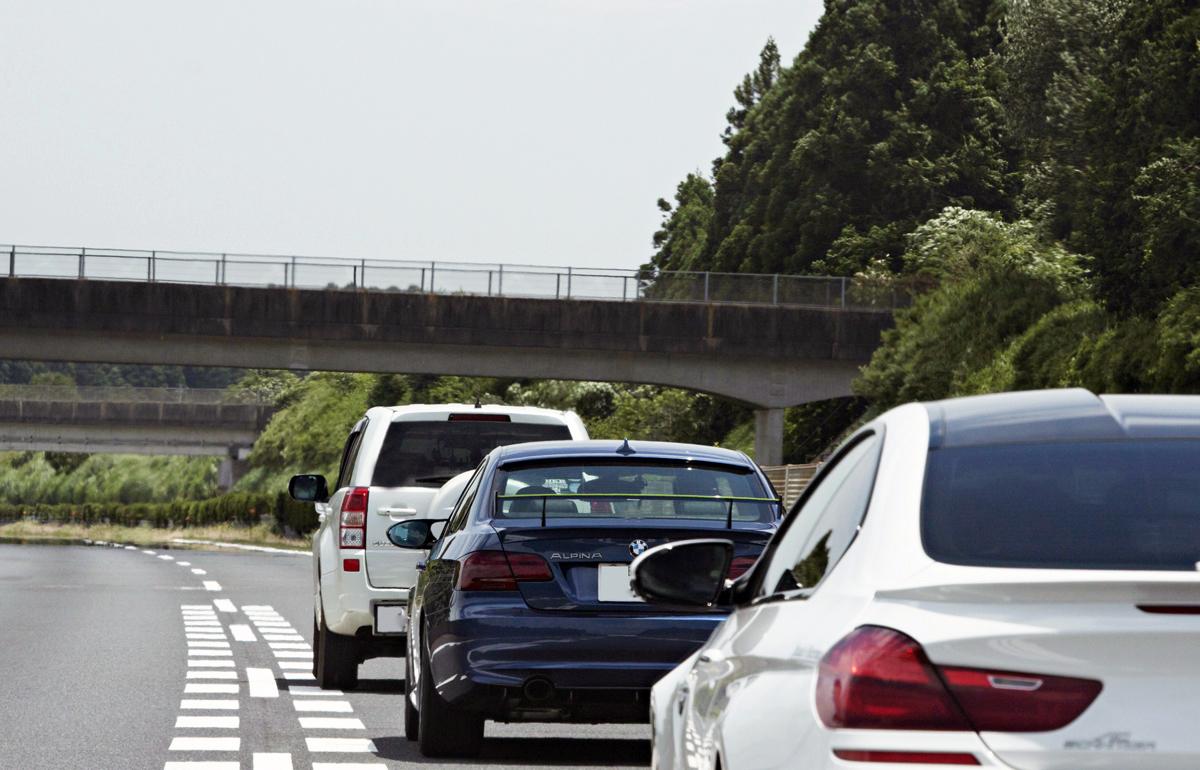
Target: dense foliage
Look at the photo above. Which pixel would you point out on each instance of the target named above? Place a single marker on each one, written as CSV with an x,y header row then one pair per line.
x,y
1032,165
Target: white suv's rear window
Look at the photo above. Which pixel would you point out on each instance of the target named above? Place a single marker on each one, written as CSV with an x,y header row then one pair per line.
x,y
430,453
1132,505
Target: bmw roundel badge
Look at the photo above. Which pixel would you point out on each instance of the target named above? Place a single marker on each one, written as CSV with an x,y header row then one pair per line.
x,y
638,547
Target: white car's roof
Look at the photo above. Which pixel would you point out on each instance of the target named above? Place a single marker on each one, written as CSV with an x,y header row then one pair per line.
x,y
410,411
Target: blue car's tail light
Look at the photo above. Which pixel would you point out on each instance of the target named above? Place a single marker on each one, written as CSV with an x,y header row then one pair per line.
x,y
498,571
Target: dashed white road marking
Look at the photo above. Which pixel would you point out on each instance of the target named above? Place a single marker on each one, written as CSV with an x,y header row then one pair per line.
x,y
208,705
212,585
224,605
205,744
212,674
302,690
195,607
223,723
205,688
242,632
299,675
346,745
151,553
209,622
202,635
282,637
292,653
262,683
204,766
131,548
294,664
194,663
198,571
273,761
330,723
184,563
164,557
331,706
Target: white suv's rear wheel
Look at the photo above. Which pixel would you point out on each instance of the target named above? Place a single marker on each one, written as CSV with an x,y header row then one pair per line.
x,y
335,662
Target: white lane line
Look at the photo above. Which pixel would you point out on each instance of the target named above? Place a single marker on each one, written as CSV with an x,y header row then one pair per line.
x,y
151,553
290,646
265,761
240,547
341,745
305,675
210,622
208,705
207,643
195,607
212,585
201,635
196,571
210,663
224,605
206,766
242,632
294,664
210,652
221,723
262,683
292,654
331,706
349,766
204,688
301,690
274,624
222,674
164,557
131,548
330,723
206,744
184,563
282,637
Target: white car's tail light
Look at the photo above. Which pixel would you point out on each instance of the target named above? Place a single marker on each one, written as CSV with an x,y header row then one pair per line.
x,y
878,678
353,532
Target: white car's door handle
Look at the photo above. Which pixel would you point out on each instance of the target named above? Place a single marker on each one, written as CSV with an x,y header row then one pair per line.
x,y
385,510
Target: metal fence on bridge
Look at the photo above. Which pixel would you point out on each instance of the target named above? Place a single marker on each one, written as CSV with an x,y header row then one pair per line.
x,y
496,280
116,394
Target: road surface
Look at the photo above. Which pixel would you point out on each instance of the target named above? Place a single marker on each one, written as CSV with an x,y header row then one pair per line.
x,y
122,657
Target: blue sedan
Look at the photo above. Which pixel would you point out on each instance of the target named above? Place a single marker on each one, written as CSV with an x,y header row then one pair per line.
x,y
523,611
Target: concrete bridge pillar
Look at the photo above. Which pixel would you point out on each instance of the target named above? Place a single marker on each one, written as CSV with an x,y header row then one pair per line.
x,y
232,468
768,436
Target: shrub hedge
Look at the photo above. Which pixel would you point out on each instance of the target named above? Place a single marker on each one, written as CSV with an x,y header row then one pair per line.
x,y
246,509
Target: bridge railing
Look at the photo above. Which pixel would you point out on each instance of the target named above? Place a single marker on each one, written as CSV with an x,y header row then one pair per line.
x,y
498,280
125,394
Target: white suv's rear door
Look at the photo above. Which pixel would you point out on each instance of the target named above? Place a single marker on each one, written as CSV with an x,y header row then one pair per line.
x,y
420,452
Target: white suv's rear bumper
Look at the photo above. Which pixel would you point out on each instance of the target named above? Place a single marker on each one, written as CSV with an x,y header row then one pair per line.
x,y
348,602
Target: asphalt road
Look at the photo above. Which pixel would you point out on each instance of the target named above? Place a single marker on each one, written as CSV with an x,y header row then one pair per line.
x,y
98,671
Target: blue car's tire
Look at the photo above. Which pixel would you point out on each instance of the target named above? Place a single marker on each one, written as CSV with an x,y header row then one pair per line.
x,y
412,717
444,731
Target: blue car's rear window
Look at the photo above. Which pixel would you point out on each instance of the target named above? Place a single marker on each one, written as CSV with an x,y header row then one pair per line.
x,y
633,490
1132,504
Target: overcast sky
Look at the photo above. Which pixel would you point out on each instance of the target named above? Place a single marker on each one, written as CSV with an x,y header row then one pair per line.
x,y
538,131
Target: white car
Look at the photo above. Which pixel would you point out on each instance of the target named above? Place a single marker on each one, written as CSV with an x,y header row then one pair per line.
x,y
399,463
1004,581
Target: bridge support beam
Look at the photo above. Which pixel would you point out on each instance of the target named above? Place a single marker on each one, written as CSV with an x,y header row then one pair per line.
x,y
768,436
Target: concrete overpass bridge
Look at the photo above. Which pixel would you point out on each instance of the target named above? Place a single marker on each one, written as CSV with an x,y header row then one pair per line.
x,y
768,341
163,421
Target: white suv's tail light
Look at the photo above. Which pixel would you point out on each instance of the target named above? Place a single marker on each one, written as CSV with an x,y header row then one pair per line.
x,y
354,518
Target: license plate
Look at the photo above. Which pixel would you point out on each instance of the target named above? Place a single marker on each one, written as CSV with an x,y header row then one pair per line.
x,y
613,584
391,618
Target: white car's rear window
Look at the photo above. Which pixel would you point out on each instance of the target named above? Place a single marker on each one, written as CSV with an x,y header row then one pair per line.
x,y
1129,505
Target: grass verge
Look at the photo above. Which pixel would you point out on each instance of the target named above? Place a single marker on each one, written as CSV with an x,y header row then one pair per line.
x,y
260,534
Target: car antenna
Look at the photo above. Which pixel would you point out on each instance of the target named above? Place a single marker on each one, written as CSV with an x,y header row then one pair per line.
x,y
625,449
478,403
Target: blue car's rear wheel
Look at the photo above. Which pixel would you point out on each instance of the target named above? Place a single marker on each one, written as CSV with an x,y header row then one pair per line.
x,y
444,731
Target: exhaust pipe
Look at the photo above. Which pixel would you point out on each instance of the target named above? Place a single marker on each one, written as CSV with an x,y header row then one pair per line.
x,y
538,690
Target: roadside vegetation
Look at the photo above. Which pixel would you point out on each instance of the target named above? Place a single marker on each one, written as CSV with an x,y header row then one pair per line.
x,y
1028,170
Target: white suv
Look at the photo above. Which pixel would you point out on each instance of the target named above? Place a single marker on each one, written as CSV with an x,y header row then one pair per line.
x,y
399,463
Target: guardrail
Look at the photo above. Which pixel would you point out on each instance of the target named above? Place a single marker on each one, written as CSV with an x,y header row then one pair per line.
x,y
119,394
498,280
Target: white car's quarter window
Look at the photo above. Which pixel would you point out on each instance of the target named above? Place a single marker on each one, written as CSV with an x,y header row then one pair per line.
x,y
827,523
